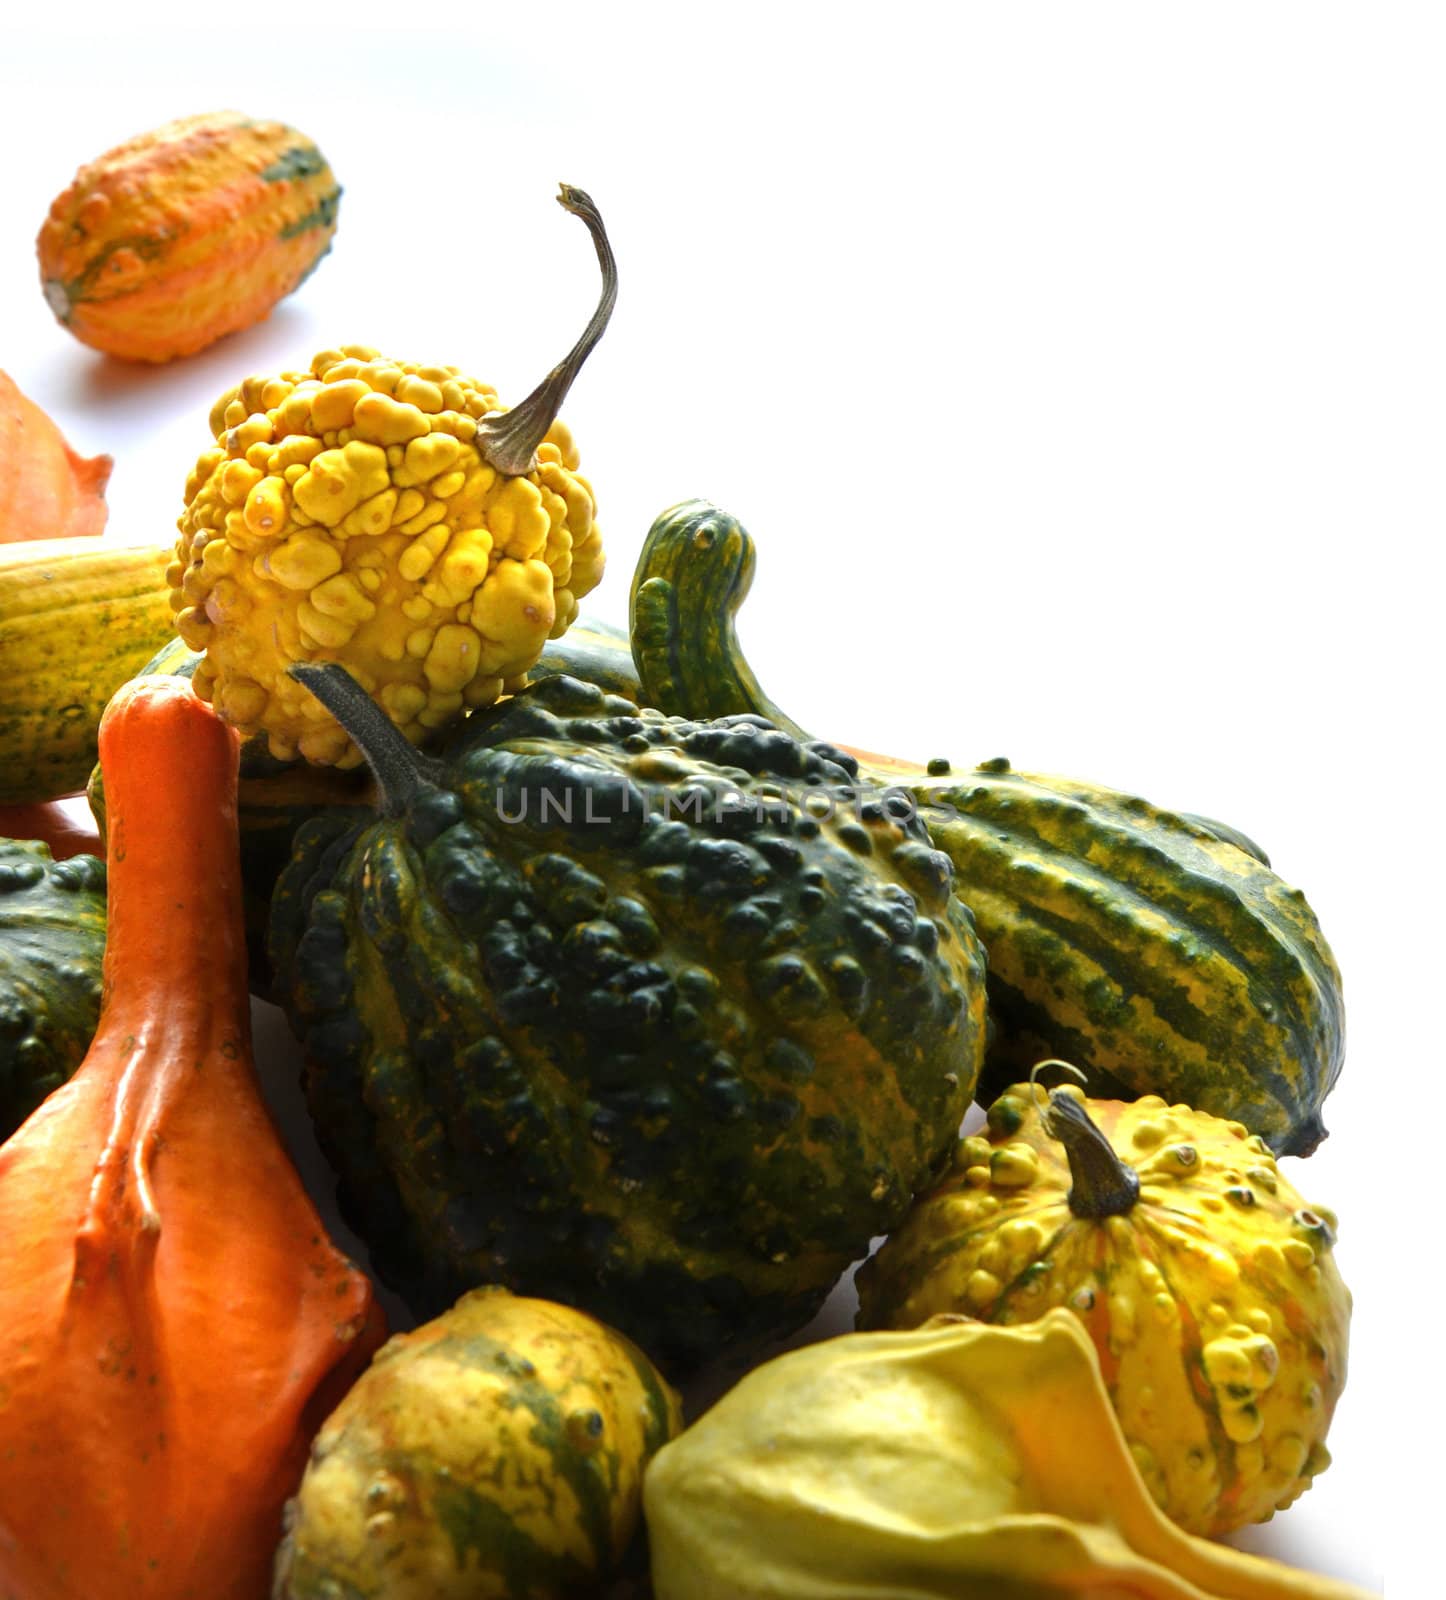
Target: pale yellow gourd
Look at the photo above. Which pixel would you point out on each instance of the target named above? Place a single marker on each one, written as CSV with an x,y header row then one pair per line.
x,y
952,1461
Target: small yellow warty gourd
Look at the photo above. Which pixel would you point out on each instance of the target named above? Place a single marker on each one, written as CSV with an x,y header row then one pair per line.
x,y
390,517
1205,1281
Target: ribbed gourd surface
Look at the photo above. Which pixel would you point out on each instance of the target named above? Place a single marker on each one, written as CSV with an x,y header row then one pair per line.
x,y
676,1059
1143,948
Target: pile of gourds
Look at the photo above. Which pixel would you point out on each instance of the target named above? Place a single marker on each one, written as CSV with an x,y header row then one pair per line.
x,y
631,1014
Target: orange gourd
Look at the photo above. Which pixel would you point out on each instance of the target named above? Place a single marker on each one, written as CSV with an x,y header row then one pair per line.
x,y
174,1322
52,824
47,491
185,233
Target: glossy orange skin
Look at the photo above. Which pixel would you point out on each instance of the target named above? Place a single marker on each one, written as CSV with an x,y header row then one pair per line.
x,y
174,1322
186,233
52,824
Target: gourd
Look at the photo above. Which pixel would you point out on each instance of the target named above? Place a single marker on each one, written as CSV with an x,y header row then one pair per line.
x,y
583,1019
49,822
186,233
694,572
1139,944
52,938
174,1322
47,491
1155,950
498,1451
1207,1284
389,517
953,1462
274,798
77,618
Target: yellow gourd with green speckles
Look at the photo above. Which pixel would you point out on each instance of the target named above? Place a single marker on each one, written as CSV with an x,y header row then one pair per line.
x,y
497,1451
390,517
1207,1284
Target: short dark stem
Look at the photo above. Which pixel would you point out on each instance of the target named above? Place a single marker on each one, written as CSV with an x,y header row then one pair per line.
x,y
1103,1186
402,773
508,440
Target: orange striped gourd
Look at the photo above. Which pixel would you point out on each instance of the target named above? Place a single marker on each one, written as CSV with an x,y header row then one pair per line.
x,y
186,233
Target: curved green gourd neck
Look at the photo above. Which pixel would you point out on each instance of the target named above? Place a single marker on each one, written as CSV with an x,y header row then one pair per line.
x,y
1101,1184
402,772
695,571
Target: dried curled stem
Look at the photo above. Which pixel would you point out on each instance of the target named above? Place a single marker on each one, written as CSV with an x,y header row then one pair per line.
x,y
508,440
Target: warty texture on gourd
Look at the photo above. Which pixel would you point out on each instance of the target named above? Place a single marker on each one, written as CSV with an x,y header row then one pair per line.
x,y
391,517
1208,1285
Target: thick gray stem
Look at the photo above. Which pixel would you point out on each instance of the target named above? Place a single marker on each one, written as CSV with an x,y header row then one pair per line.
x,y
402,773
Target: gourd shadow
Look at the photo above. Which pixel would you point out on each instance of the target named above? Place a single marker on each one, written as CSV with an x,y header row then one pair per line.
x,y
279,1071
101,382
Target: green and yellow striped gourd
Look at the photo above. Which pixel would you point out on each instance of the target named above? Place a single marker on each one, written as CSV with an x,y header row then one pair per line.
x,y
1154,949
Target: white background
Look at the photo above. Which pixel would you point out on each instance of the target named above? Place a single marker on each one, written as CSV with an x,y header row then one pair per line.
x,y
1076,368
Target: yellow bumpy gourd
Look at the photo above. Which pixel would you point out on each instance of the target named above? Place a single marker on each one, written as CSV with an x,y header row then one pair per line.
x,y
951,1462
1205,1281
392,518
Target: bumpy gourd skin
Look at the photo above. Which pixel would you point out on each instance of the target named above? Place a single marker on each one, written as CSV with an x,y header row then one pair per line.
x,y
496,1451
185,233
52,939
1152,948
344,514
1214,1302
676,1069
